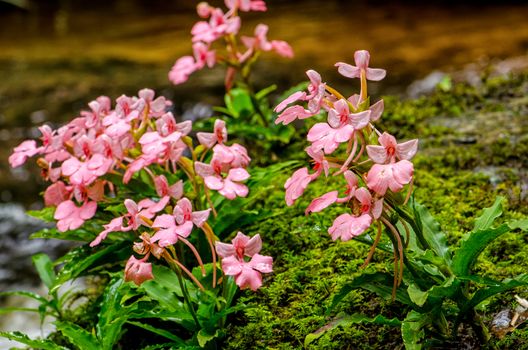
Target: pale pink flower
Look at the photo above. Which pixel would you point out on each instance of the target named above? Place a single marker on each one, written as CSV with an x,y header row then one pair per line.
x,y
260,40
219,24
57,193
163,189
246,5
291,113
84,173
138,271
156,105
340,115
228,187
368,204
182,69
204,10
23,151
296,96
248,274
208,139
282,48
296,185
375,110
322,202
390,150
362,58
393,175
347,226
116,225
241,246
153,144
203,55
71,217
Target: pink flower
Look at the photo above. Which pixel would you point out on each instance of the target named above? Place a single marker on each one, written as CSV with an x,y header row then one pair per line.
x,y
296,96
71,217
259,41
156,106
347,226
204,10
57,193
393,175
324,137
282,48
390,150
116,225
84,173
340,115
203,56
138,271
367,204
248,274
296,185
246,5
182,69
163,189
219,135
154,144
291,113
362,58
22,152
219,24
322,202
228,187
241,246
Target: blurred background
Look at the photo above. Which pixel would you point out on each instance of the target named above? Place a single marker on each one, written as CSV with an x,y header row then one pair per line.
x,y
56,56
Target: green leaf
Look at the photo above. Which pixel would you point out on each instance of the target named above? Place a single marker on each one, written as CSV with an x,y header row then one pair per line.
x,y
44,268
45,214
466,255
378,282
78,336
431,231
158,331
347,320
417,296
489,215
265,92
113,314
485,293
78,260
80,235
412,329
203,337
31,295
36,344
518,224
238,102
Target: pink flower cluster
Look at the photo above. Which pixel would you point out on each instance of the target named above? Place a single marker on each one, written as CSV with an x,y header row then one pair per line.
x,y
350,122
220,26
138,134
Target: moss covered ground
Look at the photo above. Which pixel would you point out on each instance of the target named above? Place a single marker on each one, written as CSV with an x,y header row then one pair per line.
x,y
473,147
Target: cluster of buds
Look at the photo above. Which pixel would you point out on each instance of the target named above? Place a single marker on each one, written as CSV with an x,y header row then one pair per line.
x,y
139,135
369,168
236,53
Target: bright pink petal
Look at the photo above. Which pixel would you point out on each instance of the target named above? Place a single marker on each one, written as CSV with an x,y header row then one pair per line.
x,y
322,202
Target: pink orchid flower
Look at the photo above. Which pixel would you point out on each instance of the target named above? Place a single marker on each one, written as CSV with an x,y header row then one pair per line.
x,y
291,113
84,173
228,187
166,125
180,224
163,189
138,270
71,217
219,24
156,106
24,151
320,203
208,139
246,5
393,175
203,55
241,246
348,226
182,69
248,274
362,58
390,150
57,193
375,110
116,225
260,40
152,143
368,204
296,185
